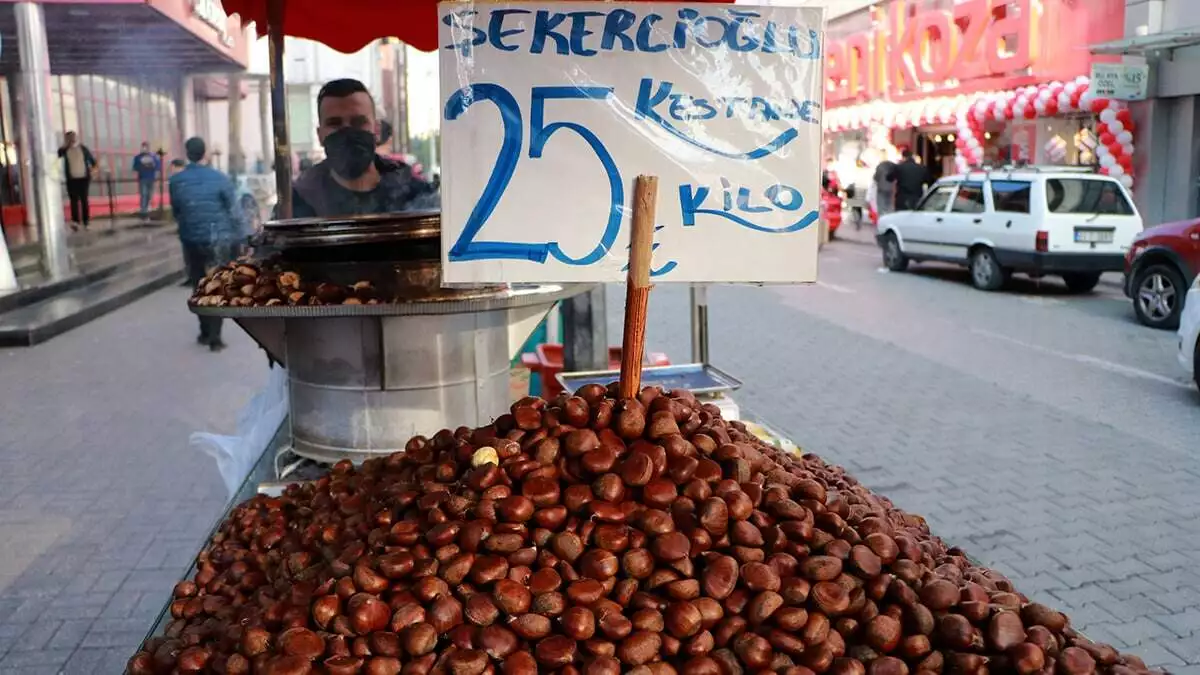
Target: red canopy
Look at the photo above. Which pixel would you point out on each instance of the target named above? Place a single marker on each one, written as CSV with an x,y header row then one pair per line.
x,y
350,25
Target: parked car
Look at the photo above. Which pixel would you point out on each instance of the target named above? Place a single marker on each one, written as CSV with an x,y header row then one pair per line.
x,y
1036,221
1189,333
1159,267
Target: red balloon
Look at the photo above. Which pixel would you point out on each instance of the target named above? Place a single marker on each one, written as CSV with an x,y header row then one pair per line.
x,y
1107,138
1030,112
1075,100
1125,116
1114,148
1104,170
1099,104
1051,108
1126,162
1101,128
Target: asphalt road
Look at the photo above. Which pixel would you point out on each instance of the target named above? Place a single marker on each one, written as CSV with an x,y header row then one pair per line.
x,y
1050,435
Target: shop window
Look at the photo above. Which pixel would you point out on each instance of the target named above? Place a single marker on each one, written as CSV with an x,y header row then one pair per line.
x,y
70,114
937,198
969,199
87,121
1081,195
1010,196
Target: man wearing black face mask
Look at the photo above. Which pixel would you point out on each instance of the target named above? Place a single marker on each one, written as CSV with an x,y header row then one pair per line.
x,y
353,179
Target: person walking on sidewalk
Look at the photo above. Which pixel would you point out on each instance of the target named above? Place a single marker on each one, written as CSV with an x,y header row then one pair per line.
x,y
204,204
78,166
885,187
146,165
911,181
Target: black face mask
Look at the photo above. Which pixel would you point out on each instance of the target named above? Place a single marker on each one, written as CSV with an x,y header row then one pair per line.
x,y
350,151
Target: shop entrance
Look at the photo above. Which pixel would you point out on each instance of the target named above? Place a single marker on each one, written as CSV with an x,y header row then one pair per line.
x,y
936,149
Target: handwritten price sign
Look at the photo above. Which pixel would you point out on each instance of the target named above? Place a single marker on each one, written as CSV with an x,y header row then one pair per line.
x,y
551,109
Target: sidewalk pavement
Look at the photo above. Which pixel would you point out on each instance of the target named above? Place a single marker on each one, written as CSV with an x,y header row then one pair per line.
x,y
102,504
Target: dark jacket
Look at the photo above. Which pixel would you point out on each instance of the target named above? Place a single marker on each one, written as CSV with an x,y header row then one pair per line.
x,y
205,206
911,179
89,161
315,194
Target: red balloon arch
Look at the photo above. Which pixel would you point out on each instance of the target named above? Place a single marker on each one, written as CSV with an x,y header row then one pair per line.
x,y
1113,147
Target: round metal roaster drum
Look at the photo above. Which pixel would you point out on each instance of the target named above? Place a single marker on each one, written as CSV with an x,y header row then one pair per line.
x,y
363,379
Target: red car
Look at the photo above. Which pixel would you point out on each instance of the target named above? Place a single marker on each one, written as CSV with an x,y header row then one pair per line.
x,y
1159,269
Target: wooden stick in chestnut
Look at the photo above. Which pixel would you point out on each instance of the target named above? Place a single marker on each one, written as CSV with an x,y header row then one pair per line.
x,y
637,284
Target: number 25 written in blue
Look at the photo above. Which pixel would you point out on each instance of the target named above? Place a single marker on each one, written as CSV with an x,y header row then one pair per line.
x,y
466,247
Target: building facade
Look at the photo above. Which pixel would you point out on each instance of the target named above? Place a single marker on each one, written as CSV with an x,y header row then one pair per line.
x,y
119,73
962,83
1165,36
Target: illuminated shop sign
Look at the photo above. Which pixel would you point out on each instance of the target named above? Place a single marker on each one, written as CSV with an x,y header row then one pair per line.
x,y
920,47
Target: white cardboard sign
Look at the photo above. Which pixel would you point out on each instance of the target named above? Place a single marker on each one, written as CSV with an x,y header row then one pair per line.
x,y
550,110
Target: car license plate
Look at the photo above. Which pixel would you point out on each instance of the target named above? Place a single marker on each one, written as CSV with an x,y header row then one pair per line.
x,y
1085,235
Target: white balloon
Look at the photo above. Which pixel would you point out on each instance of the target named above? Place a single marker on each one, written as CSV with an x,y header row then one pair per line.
x,y
973,143
1070,88
1108,116
1127,149
1085,100
1124,136
1040,106
1126,180
1064,102
1116,170
1082,79
1106,160
1116,126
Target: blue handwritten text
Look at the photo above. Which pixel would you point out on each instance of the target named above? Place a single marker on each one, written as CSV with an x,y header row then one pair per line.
x,y
694,200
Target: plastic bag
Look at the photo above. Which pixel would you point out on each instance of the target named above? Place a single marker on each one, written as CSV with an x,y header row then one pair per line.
x,y
257,424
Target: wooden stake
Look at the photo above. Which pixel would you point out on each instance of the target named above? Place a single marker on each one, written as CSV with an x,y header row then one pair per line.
x,y
637,284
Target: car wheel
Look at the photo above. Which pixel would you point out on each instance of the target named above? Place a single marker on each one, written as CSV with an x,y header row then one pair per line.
x,y
1158,296
893,258
986,273
1081,282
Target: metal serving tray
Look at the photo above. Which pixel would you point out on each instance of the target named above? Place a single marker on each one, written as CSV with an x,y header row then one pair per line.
x,y
697,378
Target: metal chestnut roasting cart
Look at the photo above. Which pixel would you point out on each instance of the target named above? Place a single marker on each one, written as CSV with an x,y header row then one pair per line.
x,y
612,529
364,378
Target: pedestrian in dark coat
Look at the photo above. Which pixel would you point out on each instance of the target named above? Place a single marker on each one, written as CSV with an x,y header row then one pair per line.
x,y
205,207
911,181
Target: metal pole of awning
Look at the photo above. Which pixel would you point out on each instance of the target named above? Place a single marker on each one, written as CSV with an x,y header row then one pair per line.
x,y
699,314
279,116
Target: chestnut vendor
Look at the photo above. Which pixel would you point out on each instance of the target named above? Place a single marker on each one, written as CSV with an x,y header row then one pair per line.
x,y
353,179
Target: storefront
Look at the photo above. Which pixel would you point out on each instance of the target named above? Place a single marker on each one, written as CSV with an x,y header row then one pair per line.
x,y
966,84
119,73
1163,38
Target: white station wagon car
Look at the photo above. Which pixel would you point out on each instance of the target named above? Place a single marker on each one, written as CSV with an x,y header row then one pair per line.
x,y
1035,221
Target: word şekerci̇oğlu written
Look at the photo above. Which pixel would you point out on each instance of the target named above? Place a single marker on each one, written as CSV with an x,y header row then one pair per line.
x,y
722,103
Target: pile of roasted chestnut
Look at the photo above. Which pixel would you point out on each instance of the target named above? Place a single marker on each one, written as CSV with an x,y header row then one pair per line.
x,y
590,535
247,283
